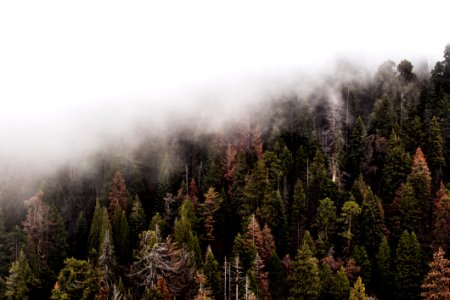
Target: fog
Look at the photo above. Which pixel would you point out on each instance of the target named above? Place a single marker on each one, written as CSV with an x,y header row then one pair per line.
x,y
81,77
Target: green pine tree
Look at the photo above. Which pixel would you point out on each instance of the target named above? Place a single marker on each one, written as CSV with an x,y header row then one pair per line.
x,y
358,291
383,270
78,239
212,273
340,287
408,267
297,214
361,258
96,224
20,279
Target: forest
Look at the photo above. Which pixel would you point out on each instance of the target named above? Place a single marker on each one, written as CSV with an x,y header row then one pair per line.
x,y
340,193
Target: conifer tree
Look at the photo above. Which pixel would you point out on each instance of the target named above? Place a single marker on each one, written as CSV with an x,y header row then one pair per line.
x,y
340,287
396,167
436,284
78,239
383,270
326,223
305,275
20,279
406,211
441,224
208,208
349,215
361,258
137,220
371,221
277,285
183,231
3,247
407,267
121,233
326,281
358,292
356,151
255,189
96,224
212,273
76,280
298,214
435,149
117,195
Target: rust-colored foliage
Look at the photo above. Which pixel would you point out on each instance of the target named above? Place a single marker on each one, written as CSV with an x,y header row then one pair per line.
x,y
117,195
228,163
441,218
161,284
268,247
193,192
436,284
209,207
253,235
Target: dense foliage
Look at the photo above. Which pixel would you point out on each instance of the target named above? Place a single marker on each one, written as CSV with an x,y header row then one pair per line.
x,y
307,199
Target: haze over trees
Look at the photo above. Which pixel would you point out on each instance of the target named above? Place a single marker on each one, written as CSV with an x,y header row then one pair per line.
x,y
307,198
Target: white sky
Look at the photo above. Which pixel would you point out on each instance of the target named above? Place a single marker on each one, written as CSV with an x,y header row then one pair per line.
x,y
61,62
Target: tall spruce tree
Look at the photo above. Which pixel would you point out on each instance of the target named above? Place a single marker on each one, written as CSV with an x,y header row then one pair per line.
x,y
383,275
305,275
20,280
408,267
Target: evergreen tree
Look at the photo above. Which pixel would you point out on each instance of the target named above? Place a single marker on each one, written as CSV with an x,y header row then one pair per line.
x,y
408,267
121,233
297,214
255,189
326,224
340,287
361,258
78,239
208,208
349,215
106,265
77,280
96,225
436,284
4,260
118,195
305,275
183,231
326,282
396,167
441,219
371,221
137,220
20,280
358,292
383,270
277,285
356,151
435,149
212,273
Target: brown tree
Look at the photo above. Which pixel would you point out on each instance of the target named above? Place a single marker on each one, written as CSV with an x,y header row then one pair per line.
x,y
208,208
117,195
441,219
436,284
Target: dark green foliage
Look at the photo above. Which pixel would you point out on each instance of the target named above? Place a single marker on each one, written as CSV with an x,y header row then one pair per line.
x,y
277,284
20,280
406,214
356,153
396,167
326,224
76,280
3,247
121,233
297,214
255,189
212,273
340,287
183,231
383,275
326,281
305,274
96,225
408,267
137,221
435,148
78,245
361,258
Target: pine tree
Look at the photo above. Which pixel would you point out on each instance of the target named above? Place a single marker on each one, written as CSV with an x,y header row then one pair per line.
x,y
208,208
212,273
383,270
96,224
349,215
326,224
406,211
137,220
441,224
183,231
396,167
356,151
20,279
435,149
340,287
121,233
420,180
361,258
407,267
371,221
305,275
277,285
297,214
118,194
436,284
255,189
326,282
78,239
358,292
106,265
76,280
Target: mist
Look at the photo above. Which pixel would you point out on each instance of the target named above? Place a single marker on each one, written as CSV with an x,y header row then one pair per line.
x,y
79,79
